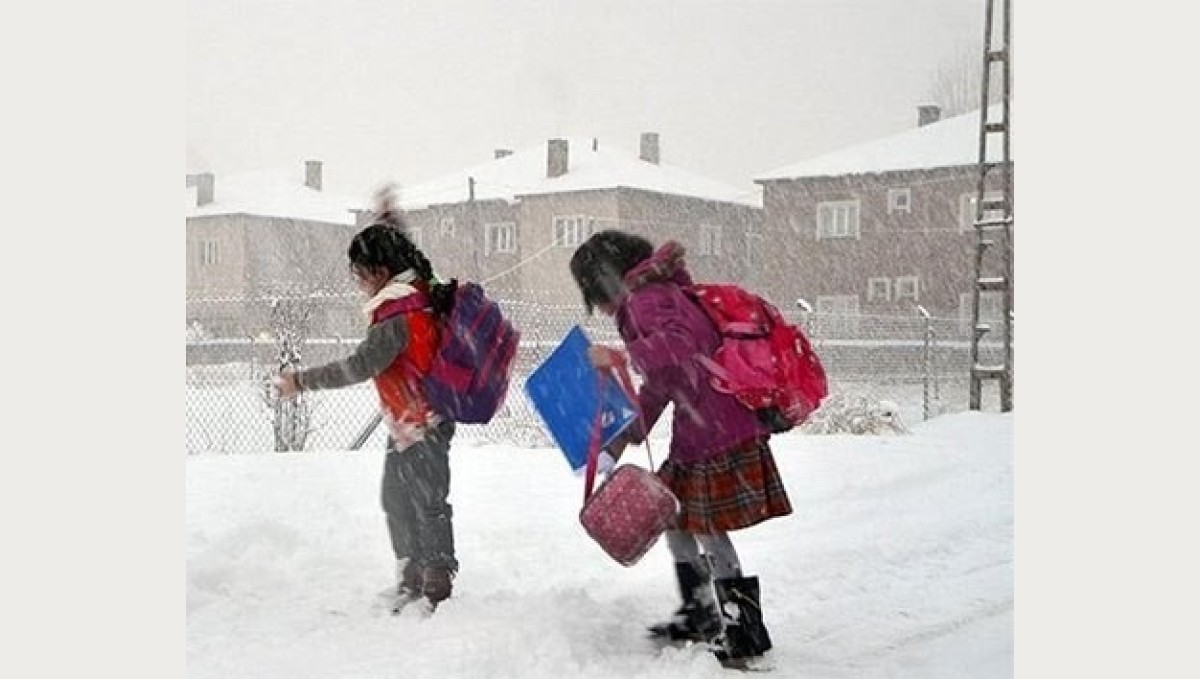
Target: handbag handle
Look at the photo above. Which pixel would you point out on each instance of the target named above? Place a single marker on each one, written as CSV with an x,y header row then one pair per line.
x,y
621,372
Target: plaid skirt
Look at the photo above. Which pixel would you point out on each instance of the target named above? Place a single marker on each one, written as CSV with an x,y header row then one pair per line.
x,y
736,490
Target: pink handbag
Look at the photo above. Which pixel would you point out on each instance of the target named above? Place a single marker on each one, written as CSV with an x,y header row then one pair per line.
x,y
631,509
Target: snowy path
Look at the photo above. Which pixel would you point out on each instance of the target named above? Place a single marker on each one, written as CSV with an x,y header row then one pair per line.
x,y
897,562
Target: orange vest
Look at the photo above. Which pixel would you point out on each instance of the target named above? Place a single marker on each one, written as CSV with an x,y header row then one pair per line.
x,y
400,397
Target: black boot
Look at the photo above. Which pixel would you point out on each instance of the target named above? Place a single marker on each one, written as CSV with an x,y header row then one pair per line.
x,y
408,589
698,619
410,580
745,634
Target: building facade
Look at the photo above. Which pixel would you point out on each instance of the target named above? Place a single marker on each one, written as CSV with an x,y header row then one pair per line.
x,y
882,227
514,222
260,238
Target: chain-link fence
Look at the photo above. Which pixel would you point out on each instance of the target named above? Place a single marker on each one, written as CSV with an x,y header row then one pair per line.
x,y
908,368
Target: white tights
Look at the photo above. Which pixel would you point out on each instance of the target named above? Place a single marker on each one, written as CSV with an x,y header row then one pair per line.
x,y
718,549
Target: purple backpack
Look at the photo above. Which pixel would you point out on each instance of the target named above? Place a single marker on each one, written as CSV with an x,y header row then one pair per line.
x,y
468,378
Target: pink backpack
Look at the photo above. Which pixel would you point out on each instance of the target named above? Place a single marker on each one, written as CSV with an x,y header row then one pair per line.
x,y
764,361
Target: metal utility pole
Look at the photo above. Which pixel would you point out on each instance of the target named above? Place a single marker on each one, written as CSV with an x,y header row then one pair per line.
x,y
994,216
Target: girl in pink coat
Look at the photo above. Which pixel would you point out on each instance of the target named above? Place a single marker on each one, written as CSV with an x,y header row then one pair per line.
x,y
720,465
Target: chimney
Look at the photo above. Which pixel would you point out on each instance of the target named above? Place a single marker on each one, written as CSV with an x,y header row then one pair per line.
x,y
649,149
928,113
205,184
312,174
503,153
557,158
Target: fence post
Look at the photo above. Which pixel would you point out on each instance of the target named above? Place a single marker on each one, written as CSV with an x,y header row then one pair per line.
x,y
807,309
366,432
928,359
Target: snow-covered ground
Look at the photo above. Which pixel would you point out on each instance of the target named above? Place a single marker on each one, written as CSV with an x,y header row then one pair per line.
x,y
897,562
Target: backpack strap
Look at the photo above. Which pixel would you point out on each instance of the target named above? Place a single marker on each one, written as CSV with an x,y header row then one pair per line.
x,y
734,329
716,370
394,307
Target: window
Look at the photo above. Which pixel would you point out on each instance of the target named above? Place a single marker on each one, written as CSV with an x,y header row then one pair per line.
x,y
879,289
710,239
837,304
446,226
501,237
966,209
899,200
571,231
907,288
837,219
210,254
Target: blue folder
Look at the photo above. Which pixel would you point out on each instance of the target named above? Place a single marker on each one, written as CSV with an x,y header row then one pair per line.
x,y
564,393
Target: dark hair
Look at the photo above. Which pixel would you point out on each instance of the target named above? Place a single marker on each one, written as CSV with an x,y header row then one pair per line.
x,y
600,264
386,246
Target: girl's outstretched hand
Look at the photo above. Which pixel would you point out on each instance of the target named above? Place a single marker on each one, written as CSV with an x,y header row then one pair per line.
x,y
285,383
602,357
605,464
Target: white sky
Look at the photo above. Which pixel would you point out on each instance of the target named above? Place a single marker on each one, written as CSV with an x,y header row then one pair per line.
x,y
409,91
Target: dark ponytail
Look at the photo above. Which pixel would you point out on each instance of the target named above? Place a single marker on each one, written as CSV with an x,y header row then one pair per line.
x,y
441,295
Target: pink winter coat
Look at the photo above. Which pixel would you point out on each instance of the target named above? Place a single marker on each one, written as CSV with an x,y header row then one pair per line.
x,y
664,330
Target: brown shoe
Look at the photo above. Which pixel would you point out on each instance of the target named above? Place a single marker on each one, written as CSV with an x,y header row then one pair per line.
x,y
411,582
438,583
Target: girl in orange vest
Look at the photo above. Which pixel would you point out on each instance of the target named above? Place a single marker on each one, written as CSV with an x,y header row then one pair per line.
x,y
399,346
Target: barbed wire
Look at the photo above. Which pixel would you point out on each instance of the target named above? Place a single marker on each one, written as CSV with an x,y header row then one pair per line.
x,y
519,264
228,408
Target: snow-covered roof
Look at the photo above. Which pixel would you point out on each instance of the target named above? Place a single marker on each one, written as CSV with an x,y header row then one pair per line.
x,y
607,167
278,192
946,143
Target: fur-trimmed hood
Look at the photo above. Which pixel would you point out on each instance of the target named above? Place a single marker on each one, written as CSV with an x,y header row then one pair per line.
x,y
400,286
666,264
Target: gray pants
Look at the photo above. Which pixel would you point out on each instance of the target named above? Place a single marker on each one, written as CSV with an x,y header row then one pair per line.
x,y
416,484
